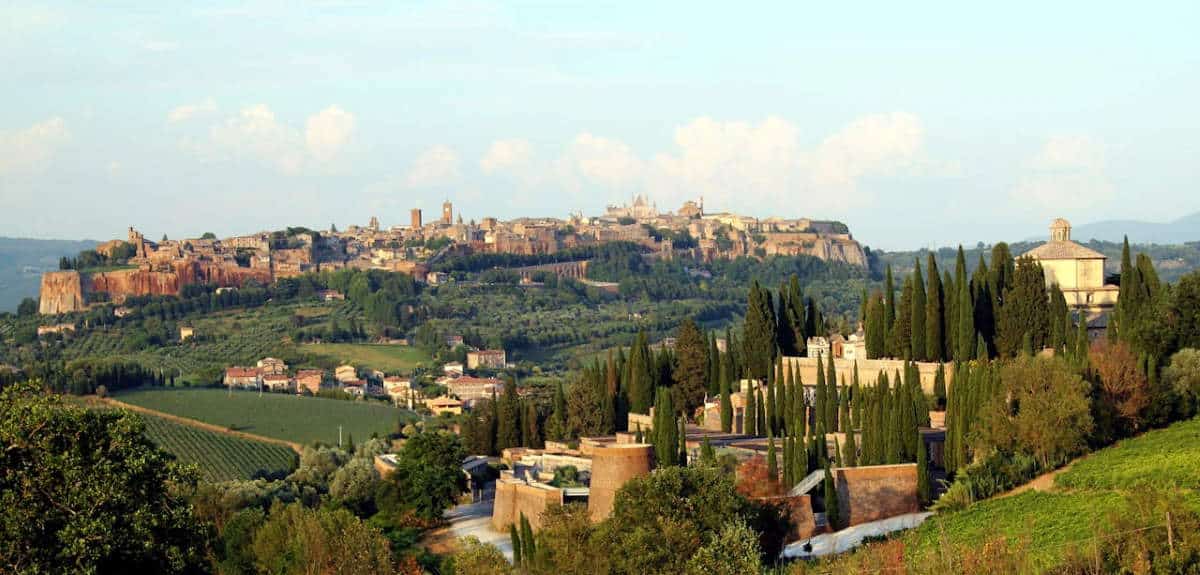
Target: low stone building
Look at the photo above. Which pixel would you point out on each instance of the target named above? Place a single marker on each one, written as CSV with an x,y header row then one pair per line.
x,y
243,377
489,358
309,380
277,382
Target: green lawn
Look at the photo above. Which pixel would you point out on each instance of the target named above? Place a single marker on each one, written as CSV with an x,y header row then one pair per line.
x,y
383,357
280,416
217,456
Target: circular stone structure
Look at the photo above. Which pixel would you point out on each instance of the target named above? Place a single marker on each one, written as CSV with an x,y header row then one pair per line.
x,y
612,466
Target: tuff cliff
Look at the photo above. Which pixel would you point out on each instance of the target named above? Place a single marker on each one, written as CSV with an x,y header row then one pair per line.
x,y
61,292
68,291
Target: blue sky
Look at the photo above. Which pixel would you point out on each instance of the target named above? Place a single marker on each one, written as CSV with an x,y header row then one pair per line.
x,y
916,123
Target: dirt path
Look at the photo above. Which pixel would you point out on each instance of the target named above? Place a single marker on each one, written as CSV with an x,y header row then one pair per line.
x,y
199,424
1043,482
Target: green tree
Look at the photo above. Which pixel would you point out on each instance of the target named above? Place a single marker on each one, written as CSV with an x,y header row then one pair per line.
x,y
733,550
1025,310
297,540
832,515
726,401
759,338
428,476
666,440
924,493
917,343
691,365
84,491
935,314
479,558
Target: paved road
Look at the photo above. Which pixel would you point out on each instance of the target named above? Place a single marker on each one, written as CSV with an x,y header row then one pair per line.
x,y
472,520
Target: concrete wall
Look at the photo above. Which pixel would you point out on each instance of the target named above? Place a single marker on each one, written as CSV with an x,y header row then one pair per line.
x,y
514,498
876,492
611,468
868,370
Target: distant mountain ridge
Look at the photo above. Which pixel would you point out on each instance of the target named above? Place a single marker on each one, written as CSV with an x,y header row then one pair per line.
x,y
1180,231
22,261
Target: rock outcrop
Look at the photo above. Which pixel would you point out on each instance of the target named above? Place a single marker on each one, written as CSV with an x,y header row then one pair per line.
x,y
61,292
68,291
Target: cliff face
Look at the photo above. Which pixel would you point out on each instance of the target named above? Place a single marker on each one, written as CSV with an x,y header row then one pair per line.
x,y
65,291
61,292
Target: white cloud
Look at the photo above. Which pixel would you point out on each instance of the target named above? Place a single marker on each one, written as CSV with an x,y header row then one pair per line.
x,y
1067,175
436,166
875,145
255,133
729,162
514,155
602,161
188,111
327,131
30,149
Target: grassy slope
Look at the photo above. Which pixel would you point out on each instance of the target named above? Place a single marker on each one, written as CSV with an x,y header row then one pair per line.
x,y
219,457
383,357
1088,495
281,416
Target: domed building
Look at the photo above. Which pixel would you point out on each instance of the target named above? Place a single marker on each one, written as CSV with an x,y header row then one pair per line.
x,y
1078,270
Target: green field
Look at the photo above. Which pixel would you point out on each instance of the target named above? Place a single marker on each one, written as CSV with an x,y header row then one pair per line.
x,y
1087,496
1163,458
276,415
219,457
383,357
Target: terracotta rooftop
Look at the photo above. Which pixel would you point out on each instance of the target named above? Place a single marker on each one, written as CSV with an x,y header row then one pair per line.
x,y
1063,250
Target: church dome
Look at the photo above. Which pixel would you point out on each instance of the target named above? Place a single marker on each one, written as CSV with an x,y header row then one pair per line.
x,y
1060,230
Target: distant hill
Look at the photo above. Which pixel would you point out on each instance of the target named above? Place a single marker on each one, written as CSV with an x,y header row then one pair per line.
x,y
1182,230
22,262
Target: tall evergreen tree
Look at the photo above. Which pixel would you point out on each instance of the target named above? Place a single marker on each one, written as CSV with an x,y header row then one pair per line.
x,y
726,400
902,333
935,313
876,328
759,339
749,418
832,515
1025,310
691,365
919,313
772,461
666,440
850,450
924,493
508,426
760,418
889,311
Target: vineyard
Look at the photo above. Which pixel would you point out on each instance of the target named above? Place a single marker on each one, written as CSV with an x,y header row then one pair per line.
x,y
219,457
390,358
275,415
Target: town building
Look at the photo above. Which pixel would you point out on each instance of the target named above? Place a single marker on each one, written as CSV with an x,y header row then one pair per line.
x,y
472,389
272,366
277,382
818,346
489,358
440,405
345,372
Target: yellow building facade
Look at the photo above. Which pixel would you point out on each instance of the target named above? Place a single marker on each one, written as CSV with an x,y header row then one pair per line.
x,y
1078,270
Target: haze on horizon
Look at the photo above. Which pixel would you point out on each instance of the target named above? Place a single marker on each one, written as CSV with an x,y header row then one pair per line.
x,y
916,124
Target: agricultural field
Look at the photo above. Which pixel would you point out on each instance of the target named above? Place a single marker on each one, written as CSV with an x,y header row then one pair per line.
x,y
217,456
280,416
1085,497
1164,458
389,358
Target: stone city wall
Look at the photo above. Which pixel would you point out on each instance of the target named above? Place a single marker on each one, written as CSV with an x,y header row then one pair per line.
x,y
868,370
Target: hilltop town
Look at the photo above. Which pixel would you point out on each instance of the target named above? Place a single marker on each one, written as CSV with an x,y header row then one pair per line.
x,y
139,266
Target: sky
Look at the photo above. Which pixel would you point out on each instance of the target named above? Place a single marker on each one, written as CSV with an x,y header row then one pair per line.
x,y
918,124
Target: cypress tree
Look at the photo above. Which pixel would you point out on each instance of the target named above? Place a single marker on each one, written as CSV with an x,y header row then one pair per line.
x,y
831,397
772,462
935,314
924,492
683,450
939,386
902,333
666,441
714,366
889,312
726,401
759,332
876,328
844,408
771,413
556,429
515,539
917,343
821,396
832,517
528,542
850,457
760,415
707,455
780,394
749,415
837,452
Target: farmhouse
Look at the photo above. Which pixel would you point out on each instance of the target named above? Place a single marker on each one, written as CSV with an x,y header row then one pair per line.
x,y
345,373
440,405
277,382
309,380
243,377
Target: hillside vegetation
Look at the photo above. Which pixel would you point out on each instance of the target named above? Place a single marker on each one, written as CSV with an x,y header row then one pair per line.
x,y
219,457
280,416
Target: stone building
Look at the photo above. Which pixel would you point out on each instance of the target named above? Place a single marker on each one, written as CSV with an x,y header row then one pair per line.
x,y
1078,271
493,358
